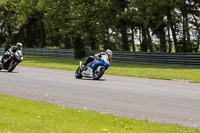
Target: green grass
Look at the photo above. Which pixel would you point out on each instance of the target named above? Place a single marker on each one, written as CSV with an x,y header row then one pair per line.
x,y
18,115
122,69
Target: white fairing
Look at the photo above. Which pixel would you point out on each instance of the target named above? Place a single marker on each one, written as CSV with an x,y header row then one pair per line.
x,y
19,54
88,73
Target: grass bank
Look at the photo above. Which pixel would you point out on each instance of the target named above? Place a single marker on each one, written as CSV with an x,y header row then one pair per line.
x,y
21,115
122,69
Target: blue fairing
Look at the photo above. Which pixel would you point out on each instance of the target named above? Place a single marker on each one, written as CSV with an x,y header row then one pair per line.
x,y
100,61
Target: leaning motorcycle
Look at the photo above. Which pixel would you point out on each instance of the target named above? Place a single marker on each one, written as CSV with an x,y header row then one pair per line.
x,y
94,69
11,61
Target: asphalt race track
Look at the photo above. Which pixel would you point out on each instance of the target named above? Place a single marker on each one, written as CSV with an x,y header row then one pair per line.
x,y
156,100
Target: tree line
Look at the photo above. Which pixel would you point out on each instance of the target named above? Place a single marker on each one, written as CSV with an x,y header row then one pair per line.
x,y
128,25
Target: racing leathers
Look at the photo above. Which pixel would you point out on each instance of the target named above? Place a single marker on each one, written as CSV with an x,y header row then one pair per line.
x,y
91,58
7,54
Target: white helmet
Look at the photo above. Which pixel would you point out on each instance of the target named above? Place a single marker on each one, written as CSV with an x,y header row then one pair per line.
x,y
109,52
19,45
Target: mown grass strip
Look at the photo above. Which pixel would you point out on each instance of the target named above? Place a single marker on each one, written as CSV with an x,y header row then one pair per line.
x,y
20,115
122,69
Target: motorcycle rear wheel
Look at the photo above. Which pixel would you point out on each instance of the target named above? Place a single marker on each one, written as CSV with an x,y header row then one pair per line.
x,y
78,74
11,68
1,65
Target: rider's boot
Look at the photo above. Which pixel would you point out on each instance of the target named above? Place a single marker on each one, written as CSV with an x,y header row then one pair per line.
x,y
6,60
82,66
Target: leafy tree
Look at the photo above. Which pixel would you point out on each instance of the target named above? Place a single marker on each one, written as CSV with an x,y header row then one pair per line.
x,y
102,24
8,23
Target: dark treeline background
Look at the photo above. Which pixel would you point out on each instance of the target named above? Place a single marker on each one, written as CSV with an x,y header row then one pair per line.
x,y
128,25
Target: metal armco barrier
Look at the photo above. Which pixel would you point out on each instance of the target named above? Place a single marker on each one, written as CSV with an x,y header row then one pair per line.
x,y
186,59
59,53
2,51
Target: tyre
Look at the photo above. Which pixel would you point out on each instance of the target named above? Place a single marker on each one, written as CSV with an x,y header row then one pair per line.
x,y
1,65
98,74
12,67
78,74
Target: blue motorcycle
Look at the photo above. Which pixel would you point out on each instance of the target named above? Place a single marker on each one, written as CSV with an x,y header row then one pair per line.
x,y
94,69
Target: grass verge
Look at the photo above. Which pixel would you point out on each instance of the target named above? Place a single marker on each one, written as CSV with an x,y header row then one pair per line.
x,y
21,115
122,69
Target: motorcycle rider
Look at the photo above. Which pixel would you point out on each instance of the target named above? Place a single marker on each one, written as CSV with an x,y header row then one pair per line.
x,y
11,51
108,52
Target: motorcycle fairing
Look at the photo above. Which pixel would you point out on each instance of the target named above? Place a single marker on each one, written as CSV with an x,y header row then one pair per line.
x,y
88,73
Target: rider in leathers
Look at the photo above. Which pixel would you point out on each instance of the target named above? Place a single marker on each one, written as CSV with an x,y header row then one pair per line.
x,y
108,52
11,51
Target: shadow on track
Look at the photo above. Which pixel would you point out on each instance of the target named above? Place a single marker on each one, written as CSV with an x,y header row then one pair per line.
x,y
91,79
2,71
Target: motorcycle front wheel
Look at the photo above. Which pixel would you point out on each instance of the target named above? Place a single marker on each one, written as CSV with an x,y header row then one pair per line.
x,y
12,66
97,74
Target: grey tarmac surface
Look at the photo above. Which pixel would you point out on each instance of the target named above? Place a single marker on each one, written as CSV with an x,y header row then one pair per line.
x,y
168,101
